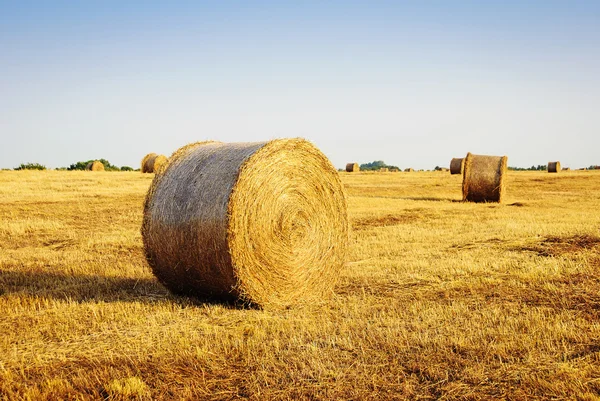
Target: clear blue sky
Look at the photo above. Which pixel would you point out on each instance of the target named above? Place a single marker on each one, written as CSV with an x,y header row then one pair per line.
x,y
411,83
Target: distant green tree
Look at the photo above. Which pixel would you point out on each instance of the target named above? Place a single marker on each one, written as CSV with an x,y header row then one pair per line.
x,y
31,166
126,168
375,165
81,165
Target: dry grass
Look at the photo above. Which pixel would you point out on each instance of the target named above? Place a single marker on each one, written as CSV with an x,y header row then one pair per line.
x,y
441,299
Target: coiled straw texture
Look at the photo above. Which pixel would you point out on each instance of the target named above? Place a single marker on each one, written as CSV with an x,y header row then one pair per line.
x,y
457,165
95,166
352,167
483,178
265,223
554,167
151,163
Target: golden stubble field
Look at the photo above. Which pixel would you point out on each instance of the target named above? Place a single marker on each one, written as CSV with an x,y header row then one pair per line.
x,y
440,299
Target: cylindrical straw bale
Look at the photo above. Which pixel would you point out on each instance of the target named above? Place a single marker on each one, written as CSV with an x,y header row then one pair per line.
x,y
409,170
457,165
352,167
264,223
554,167
483,178
151,163
95,166
383,169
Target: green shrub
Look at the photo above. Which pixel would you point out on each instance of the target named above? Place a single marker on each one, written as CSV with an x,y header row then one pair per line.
x,y
81,165
31,166
376,165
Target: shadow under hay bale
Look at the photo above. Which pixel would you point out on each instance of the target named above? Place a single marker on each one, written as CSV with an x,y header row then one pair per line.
x,y
265,223
152,162
457,166
94,166
483,178
554,167
352,167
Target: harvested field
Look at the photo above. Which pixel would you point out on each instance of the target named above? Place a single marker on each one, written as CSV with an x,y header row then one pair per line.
x,y
440,298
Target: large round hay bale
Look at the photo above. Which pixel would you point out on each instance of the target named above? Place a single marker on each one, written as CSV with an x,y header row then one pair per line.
x,y
554,167
152,162
457,165
265,223
483,178
409,170
352,167
383,170
95,166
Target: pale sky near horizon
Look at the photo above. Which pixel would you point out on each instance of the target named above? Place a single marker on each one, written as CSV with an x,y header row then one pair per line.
x,y
413,83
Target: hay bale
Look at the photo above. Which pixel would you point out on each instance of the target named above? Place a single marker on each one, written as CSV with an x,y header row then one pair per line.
x,y
554,167
352,167
383,170
265,223
95,166
483,178
409,170
151,163
394,170
565,169
444,169
457,165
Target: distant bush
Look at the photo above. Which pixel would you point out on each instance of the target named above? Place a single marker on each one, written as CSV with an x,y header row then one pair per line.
x,y
31,166
81,165
375,165
539,167
126,168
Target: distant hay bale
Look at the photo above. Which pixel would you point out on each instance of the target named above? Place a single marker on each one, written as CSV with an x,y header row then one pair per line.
x,y
444,169
352,167
95,166
409,170
152,162
394,170
565,169
457,165
483,178
383,170
554,167
265,222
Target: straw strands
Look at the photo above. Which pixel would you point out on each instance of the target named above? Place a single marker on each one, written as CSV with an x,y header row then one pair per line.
x,y
483,178
151,163
457,165
265,223
95,166
352,167
554,167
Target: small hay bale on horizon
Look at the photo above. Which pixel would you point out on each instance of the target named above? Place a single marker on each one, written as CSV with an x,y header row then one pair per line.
x,y
95,166
152,162
263,223
409,170
457,165
352,167
383,170
394,170
483,178
554,167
